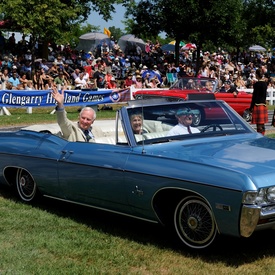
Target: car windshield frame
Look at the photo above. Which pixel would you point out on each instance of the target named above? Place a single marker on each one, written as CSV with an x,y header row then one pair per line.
x,y
158,119
196,84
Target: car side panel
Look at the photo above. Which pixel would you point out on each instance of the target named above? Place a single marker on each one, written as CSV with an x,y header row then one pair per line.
x,y
145,179
92,174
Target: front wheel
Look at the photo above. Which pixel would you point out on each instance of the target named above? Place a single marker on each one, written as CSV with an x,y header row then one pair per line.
x,y
25,185
194,222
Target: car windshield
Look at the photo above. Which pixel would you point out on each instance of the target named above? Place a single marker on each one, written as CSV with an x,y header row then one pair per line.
x,y
198,84
174,121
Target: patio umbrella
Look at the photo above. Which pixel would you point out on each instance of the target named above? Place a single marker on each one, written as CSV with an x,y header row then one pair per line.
x,y
152,74
130,41
257,48
189,46
170,47
174,43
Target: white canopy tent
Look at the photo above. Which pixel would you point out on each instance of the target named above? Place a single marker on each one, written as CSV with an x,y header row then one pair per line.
x,y
128,42
89,41
257,48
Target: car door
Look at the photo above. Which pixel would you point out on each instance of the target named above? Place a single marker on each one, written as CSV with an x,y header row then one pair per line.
x,y
92,174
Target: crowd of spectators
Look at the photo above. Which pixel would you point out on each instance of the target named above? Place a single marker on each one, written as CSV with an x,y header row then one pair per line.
x,y
109,67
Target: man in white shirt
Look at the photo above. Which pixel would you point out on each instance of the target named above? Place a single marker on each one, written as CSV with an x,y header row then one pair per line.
x,y
185,119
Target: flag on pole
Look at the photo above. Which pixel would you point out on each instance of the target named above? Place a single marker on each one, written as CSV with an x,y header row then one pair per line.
x,y
107,32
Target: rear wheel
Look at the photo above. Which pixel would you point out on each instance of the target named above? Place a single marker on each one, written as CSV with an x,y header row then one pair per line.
x,y
194,222
25,185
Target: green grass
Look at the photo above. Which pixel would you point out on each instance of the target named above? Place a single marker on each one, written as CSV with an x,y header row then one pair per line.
x,y
51,237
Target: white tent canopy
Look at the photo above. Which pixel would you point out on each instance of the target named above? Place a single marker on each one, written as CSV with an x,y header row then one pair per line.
x,y
257,48
89,41
128,42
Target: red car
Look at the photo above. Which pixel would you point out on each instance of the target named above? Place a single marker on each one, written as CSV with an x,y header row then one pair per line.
x,y
190,88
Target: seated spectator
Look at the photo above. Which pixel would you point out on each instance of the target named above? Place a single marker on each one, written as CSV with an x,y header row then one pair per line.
x,y
146,80
112,84
6,62
27,68
29,85
108,77
14,81
80,82
89,71
23,80
75,75
129,81
240,83
45,79
5,75
60,80
154,82
138,84
14,70
44,66
53,71
16,63
37,80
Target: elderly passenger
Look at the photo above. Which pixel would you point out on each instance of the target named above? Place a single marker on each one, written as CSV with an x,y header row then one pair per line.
x,y
185,119
137,124
80,131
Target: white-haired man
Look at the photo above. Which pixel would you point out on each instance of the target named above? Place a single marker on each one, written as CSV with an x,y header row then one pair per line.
x,y
80,131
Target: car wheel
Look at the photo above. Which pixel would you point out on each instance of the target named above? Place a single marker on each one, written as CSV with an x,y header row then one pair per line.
x,y
194,222
26,186
247,115
196,120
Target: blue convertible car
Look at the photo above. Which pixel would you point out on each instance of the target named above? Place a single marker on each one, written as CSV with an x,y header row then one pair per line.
x,y
219,180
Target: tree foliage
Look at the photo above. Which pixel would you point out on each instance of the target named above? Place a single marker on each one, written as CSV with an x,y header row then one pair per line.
x,y
232,24
196,21
116,32
259,16
53,19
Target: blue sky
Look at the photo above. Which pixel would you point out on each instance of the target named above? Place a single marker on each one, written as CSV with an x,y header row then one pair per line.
x,y
96,20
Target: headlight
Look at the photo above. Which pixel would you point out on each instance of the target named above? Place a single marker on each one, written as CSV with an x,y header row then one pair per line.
x,y
263,197
260,199
270,194
250,197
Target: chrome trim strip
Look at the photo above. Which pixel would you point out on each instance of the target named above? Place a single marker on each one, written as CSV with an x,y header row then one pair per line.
x,y
268,212
101,208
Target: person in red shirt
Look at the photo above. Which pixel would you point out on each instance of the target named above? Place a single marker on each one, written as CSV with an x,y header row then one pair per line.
x,y
129,81
112,84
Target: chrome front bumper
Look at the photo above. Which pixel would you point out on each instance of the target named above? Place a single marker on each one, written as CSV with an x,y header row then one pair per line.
x,y
251,217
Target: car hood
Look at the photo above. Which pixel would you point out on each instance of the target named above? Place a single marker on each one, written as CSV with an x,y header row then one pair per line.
x,y
252,156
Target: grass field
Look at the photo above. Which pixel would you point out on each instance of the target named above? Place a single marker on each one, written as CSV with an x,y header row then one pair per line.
x,y
50,237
